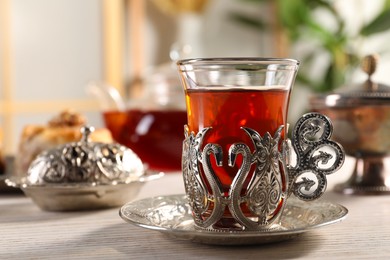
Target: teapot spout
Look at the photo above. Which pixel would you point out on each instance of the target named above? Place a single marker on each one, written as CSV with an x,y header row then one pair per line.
x,y
108,96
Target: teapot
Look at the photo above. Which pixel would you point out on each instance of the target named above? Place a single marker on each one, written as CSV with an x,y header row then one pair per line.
x,y
150,121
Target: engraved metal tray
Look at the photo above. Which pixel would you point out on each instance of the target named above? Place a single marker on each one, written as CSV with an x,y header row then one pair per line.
x,y
171,215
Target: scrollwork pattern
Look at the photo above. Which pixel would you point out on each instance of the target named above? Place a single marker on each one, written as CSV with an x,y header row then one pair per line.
x,y
85,162
311,134
264,192
193,184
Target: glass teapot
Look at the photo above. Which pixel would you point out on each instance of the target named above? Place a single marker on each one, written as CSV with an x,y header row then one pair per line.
x,y
150,121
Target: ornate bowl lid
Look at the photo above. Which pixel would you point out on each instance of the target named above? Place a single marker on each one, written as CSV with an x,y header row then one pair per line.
x,y
85,162
368,93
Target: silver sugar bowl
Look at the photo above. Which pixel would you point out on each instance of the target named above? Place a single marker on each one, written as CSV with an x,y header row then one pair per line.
x,y
84,175
361,120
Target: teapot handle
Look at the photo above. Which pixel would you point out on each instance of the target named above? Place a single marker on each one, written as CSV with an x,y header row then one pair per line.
x,y
108,96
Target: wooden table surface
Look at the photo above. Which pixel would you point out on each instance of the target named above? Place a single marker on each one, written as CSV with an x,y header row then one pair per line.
x,y
30,233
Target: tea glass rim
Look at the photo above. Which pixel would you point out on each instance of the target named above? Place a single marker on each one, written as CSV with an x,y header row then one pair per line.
x,y
251,63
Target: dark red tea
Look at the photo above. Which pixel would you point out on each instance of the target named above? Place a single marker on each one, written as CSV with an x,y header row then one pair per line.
x,y
226,111
155,136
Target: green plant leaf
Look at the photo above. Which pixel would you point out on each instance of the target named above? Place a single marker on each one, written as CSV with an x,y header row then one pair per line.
x,y
293,13
304,81
252,22
297,19
334,78
330,7
380,24
386,4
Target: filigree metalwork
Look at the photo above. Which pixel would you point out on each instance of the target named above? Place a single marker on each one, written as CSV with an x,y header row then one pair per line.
x,y
312,145
193,184
264,193
85,162
272,180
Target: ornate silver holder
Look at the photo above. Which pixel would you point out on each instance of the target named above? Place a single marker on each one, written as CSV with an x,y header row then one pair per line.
x,y
84,175
259,205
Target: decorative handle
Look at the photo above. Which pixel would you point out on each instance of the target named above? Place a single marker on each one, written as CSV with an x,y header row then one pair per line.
x,y
317,156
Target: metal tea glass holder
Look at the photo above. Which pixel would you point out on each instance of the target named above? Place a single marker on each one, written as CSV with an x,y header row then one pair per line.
x,y
274,178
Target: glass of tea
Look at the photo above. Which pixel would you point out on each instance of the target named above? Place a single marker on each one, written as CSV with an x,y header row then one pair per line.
x,y
235,158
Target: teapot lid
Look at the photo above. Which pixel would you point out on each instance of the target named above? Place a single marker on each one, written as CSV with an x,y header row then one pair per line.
x,y
368,93
85,162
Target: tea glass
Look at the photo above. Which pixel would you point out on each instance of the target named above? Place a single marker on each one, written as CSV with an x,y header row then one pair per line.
x,y
236,155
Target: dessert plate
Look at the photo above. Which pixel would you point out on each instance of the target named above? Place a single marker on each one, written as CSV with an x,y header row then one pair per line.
x,y
171,215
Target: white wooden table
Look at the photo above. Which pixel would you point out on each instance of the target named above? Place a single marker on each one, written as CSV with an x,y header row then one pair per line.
x,y
29,233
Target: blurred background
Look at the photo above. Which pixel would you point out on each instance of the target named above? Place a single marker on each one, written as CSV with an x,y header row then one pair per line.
x,y
51,49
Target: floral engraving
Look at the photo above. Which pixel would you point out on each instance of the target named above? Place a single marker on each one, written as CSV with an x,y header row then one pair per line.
x,y
263,194
264,198
195,189
86,162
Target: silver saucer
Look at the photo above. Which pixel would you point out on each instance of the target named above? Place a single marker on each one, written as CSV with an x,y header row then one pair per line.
x,y
171,215
82,196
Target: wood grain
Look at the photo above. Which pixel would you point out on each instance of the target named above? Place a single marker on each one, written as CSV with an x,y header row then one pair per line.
x,y
29,233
